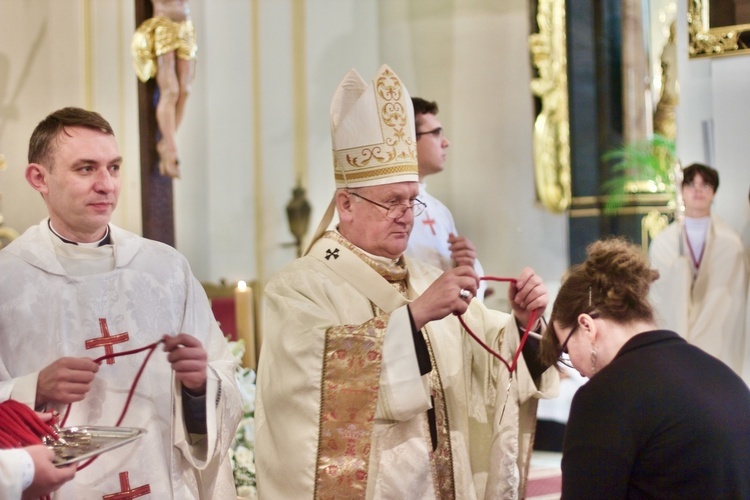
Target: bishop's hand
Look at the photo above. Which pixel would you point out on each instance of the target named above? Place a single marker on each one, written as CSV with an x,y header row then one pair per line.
x,y
528,294
189,361
449,294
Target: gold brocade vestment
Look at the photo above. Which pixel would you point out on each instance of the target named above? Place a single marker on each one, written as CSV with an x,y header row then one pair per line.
x,y
342,410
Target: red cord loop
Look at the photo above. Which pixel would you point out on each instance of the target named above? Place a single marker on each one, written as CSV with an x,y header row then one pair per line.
x,y
151,348
532,319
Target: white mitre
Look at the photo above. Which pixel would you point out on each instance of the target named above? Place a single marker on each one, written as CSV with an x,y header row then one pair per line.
x,y
373,132
373,135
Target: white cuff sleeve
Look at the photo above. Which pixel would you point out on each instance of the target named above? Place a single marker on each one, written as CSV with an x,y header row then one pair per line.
x,y
23,465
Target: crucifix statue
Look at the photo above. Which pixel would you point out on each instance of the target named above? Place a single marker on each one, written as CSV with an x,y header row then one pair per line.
x,y
164,48
164,56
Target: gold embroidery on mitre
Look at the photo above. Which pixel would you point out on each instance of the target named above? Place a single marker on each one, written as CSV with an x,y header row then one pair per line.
x,y
397,153
348,406
384,172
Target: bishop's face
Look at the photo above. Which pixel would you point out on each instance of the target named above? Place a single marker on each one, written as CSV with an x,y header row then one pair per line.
x,y
82,186
367,225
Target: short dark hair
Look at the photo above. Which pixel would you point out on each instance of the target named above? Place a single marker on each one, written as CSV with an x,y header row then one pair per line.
x,y
424,107
48,130
708,174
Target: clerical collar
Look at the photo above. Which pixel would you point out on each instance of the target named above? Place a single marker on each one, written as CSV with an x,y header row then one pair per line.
x,y
106,240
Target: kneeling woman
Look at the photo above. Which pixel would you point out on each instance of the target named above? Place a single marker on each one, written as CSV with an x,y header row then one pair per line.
x,y
659,418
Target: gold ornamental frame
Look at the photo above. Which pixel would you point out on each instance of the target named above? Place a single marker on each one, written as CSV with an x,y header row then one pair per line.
x,y
705,40
551,138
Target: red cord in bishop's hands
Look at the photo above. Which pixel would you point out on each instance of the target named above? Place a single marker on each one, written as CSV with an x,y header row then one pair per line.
x,y
532,319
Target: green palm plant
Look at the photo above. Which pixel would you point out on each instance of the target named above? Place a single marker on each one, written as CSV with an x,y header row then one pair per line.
x,y
645,166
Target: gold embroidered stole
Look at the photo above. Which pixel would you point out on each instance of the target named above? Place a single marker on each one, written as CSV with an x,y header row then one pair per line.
x,y
348,403
442,457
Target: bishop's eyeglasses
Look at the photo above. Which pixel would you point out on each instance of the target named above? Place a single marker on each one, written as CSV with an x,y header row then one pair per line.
x,y
396,210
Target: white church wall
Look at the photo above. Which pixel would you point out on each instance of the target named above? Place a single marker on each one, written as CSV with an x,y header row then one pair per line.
x,y
238,139
214,211
731,104
339,35
277,132
231,210
55,54
342,34
714,105
35,78
472,58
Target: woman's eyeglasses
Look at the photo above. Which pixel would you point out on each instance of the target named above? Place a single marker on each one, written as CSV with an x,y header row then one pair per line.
x,y
562,355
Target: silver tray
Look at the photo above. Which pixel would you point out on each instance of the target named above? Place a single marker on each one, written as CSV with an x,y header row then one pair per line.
x,y
79,443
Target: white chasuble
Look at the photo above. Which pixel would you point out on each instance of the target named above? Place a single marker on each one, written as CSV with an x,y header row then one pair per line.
x,y
342,410
710,310
46,314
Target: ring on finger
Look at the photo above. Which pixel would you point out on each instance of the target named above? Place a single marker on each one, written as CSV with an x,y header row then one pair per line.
x,y
464,294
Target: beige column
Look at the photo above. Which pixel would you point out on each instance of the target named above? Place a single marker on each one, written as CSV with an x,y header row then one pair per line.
x,y
636,82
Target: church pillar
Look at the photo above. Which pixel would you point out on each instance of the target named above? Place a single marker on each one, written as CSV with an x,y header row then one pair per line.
x,y
636,88
597,92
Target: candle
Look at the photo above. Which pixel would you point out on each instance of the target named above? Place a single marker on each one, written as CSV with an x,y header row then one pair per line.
x,y
244,316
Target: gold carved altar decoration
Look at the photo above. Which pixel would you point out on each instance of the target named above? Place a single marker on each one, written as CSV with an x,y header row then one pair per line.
x,y
708,39
551,139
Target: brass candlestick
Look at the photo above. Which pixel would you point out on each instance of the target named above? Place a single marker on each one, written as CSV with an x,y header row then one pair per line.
x,y
298,214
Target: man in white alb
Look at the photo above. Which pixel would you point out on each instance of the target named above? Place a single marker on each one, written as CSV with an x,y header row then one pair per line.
x,y
76,287
702,285
434,237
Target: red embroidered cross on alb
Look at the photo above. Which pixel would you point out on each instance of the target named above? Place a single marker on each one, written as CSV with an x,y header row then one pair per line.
x,y
429,222
107,341
126,492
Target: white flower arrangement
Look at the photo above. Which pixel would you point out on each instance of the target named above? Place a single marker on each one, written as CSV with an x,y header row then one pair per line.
x,y
242,449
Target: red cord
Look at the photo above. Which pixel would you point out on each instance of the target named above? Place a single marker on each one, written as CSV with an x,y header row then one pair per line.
x,y
20,426
151,348
532,319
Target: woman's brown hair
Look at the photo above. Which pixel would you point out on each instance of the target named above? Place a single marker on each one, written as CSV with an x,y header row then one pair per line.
x,y
613,282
